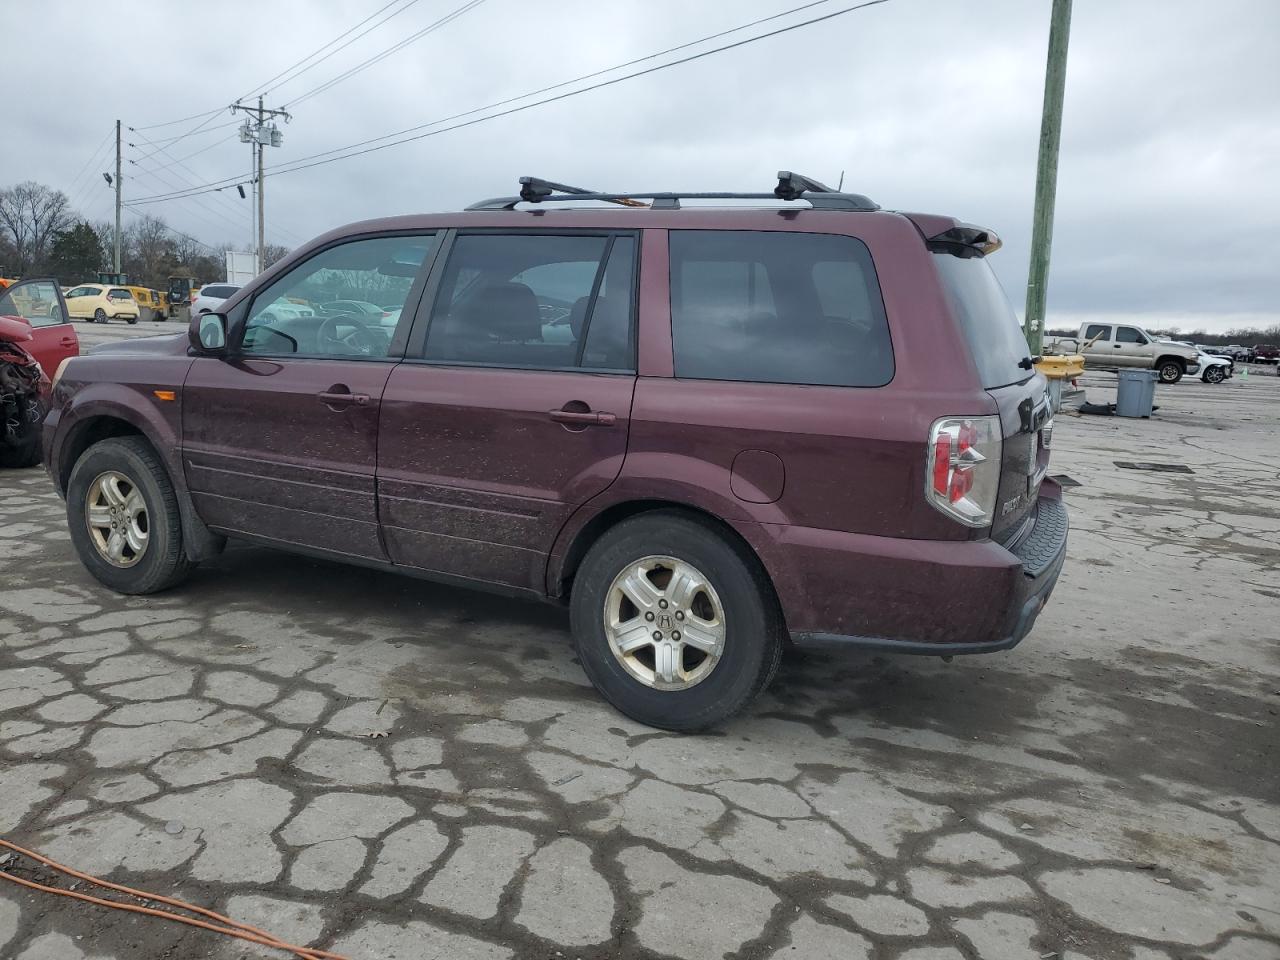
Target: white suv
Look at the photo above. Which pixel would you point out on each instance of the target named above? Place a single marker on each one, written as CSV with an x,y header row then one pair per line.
x,y
211,297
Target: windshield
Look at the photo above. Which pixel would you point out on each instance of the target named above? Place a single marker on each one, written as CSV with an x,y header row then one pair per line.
x,y
989,323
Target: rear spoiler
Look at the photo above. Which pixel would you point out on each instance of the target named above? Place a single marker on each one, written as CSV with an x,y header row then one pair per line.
x,y
983,240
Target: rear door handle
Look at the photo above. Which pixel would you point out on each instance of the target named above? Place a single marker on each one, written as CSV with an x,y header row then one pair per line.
x,y
344,398
586,419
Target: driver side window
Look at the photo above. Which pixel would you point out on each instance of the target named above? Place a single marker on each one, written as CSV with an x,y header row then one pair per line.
x,y
345,301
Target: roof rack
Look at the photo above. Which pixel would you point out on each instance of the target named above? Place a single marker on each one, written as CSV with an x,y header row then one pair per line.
x,y
791,187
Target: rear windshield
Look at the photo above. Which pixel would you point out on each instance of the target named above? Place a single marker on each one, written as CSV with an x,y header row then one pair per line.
x,y
218,291
989,323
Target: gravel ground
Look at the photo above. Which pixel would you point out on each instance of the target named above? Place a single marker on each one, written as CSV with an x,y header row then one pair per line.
x,y
388,768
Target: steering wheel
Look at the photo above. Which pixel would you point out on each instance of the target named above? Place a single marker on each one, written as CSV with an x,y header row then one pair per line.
x,y
360,339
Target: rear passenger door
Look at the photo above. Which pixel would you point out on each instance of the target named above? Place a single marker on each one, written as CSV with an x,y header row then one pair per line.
x,y
513,403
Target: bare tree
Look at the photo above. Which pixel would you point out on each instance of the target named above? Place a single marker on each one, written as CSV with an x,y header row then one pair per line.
x,y
30,215
150,246
273,252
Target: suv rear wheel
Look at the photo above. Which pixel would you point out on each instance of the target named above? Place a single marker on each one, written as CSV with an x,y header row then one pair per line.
x,y
673,624
1171,371
123,517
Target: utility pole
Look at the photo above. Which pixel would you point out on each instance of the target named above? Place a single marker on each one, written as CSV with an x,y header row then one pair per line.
x,y
262,258
259,133
115,259
1055,77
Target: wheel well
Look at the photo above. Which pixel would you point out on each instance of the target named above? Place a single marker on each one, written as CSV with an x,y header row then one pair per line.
x,y
598,525
88,433
1167,357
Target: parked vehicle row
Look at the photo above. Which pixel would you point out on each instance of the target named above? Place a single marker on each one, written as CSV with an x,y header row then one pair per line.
x,y
1121,345
705,430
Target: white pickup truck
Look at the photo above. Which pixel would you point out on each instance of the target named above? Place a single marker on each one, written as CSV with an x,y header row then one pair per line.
x,y
1115,345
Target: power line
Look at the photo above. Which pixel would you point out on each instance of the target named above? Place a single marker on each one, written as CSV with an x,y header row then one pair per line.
x,y
335,49
170,123
93,156
585,76
378,57
173,141
300,164
181,162
216,110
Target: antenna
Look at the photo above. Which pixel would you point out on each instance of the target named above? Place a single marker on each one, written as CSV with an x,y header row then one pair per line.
x,y
840,185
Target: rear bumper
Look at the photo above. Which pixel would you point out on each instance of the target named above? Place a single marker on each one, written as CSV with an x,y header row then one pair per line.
x,y
921,597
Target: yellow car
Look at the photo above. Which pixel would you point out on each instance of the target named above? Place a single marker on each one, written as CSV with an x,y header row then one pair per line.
x,y
100,302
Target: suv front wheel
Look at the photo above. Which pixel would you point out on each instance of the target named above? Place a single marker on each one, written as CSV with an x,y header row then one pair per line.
x,y
123,517
673,623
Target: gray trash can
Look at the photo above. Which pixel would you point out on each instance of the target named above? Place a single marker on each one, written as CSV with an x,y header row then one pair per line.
x,y
1136,393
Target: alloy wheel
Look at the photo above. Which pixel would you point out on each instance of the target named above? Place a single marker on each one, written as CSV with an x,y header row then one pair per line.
x,y
116,515
664,622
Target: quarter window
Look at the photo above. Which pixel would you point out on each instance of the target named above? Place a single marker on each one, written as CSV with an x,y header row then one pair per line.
x,y
345,301
775,307
537,301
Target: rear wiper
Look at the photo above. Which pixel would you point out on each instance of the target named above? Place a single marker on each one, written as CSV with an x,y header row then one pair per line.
x,y
1026,363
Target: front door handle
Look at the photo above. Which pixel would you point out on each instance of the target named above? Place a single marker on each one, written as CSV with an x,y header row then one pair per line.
x,y
334,398
583,418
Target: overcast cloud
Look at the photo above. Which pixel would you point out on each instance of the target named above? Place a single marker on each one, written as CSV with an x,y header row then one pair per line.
x,y
1168,194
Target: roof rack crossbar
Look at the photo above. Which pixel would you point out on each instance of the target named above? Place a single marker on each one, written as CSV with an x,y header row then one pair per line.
x,y
535,190
819,200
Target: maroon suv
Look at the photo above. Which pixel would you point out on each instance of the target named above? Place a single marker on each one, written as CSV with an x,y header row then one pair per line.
x,y
705,429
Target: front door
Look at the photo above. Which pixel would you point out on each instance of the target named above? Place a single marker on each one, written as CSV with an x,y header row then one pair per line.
x,y
512,406
280,438
40,303
1131,348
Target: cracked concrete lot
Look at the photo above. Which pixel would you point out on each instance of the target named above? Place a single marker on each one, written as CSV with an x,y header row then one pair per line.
x,y
392,769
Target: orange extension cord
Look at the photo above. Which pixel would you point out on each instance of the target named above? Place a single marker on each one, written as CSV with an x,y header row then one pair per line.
x,y
232,928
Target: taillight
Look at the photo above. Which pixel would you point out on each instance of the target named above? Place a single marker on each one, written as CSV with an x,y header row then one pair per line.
x,y
964,468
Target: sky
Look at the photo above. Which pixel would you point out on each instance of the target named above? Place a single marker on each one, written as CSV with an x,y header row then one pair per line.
x,y
1169,176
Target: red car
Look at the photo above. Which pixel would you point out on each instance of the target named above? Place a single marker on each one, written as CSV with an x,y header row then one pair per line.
x,y
35,338
705,430
40,303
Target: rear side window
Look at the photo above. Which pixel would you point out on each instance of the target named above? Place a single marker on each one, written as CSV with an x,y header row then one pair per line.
x,y
774,307
990,325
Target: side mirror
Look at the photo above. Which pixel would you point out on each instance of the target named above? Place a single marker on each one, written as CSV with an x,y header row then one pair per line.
x,y
208,334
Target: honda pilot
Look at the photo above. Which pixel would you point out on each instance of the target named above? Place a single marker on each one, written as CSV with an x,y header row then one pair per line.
x,y
710,430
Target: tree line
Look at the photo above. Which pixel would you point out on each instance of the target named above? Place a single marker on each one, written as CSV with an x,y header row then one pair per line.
x,y
41,235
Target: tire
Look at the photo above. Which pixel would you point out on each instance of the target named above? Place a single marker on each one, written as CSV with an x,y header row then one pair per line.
x,y
1214,375
1171,371
99,316
750,622
131,320
25,450
163,562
